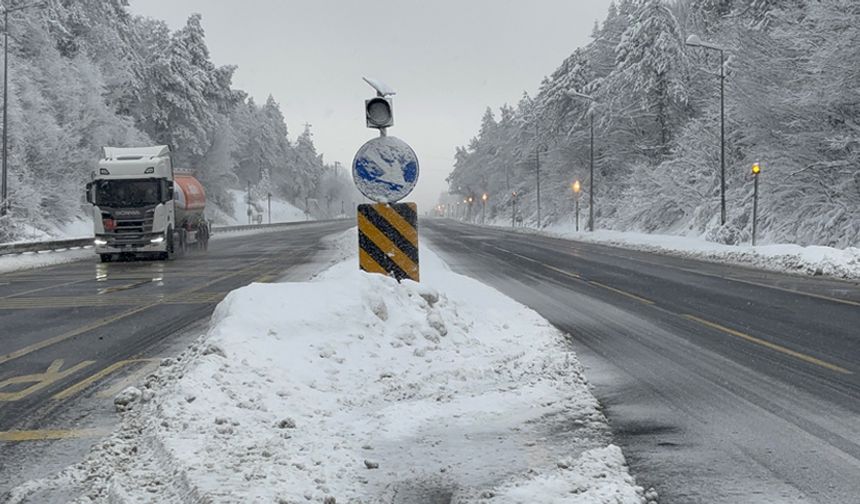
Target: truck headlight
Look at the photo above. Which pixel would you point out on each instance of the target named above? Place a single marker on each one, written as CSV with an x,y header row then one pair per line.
x,y
157,239
100,242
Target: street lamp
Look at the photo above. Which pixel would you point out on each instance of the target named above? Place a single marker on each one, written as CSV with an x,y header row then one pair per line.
x,y
483,208
695,41
537,172
514,209
576,94
576,188
756,170
4,202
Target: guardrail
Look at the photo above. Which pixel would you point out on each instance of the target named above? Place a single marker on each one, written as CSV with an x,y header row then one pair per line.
x,y
48,246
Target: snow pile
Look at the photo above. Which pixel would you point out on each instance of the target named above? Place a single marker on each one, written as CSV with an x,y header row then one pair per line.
x,y
810,260
352,388
282,211
32,260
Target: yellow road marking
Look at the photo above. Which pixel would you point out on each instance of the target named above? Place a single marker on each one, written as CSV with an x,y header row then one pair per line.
x,y
563,272
107,320
802,293
38,289
768,344
131,379
118,288
623,293
69,334
553,268
729,278
39,380
81,385
525,258
48,434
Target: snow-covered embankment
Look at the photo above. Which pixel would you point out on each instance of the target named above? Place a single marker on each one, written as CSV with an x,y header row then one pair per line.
x,y
353,388
811,260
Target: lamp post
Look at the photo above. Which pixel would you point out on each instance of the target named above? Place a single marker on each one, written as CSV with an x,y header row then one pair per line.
x,y
695,41
4,201
484,208
269,200
576,188
514,209
756,170
248,196
592,99
537,172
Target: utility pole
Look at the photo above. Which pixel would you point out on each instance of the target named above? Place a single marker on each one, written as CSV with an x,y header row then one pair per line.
x,y
269,197
514,210
4,203
723,138
593,100
756,170
591,175
249,202
696,41
537,172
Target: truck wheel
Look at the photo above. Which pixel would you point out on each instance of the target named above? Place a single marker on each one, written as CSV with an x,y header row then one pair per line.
x,y
183,242
105,258
203,237
169,253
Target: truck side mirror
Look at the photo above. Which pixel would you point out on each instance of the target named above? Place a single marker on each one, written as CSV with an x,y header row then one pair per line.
x,y
90,193
168,193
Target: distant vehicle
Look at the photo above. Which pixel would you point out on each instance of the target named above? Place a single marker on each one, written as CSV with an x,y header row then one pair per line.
x,y
141,207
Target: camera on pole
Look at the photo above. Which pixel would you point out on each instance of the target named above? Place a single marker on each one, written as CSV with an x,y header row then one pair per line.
x,y
379,111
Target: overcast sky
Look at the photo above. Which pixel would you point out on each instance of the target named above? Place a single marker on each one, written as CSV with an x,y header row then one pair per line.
x,y
447,59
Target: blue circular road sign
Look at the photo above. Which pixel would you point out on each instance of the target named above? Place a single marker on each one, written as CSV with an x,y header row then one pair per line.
x,y
385,169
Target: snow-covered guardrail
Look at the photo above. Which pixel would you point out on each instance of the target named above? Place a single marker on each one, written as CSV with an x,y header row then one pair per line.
x,y
44,246
48,246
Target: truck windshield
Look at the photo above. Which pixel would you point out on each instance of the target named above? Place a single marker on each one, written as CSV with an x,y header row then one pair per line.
x,y
127,193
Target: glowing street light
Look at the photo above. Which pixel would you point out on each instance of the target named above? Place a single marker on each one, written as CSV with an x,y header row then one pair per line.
x,y
483,208
576,188
756,170
576,94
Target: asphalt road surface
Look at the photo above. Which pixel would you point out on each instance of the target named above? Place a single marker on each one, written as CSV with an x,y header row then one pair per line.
x,y
73,335
722,384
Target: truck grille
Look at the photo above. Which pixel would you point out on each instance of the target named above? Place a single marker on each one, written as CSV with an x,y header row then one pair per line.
x,y
135,226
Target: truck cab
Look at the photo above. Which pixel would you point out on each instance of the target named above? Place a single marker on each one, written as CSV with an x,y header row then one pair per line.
x,y
132,197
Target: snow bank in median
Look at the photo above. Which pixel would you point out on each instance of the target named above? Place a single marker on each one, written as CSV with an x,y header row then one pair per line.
x,y
352,388
809,260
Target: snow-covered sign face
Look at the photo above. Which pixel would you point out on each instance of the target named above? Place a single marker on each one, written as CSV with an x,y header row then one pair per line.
x,y
385,169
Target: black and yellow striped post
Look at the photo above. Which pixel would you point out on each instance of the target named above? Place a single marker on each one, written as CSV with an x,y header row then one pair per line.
x,y
388,239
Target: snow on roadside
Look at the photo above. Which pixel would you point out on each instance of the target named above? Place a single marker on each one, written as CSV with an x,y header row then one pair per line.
x,y
787,258
31,260
282,211
353,388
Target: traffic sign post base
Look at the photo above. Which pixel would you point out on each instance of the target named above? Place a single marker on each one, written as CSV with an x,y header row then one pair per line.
x,y
388,239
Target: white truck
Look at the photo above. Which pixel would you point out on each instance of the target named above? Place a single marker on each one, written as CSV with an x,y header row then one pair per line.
x,y
140,206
